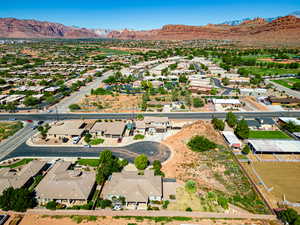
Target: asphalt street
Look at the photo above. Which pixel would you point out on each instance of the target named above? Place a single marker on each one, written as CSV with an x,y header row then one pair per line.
x,y
154,151
181,115
13,142
219,85
288,91
63,105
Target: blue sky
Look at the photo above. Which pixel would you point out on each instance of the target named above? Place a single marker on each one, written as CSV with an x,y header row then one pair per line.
x,y
141,14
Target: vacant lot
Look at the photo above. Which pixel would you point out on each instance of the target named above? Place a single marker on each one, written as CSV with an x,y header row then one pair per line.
x,y
268,135
9,128
216,173
283,177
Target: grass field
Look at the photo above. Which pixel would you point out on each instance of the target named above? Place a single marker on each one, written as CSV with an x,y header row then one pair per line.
x,y
268,135
108,51
8,129
287,82
284,177
264,71
88,162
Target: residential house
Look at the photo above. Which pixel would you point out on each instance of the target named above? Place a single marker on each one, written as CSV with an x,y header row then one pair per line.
x,y
138,190
156,124
70,128
65,185
108,129
18,178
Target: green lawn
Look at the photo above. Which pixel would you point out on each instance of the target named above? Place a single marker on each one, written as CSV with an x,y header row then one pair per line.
x,y
96,141
287,82
88,162
20,163
268,135
264,71
108,51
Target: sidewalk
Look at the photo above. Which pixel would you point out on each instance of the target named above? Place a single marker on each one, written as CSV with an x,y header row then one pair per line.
x,y
150,213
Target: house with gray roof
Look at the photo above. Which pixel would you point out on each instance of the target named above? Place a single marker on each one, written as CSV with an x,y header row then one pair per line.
x,y
138,190
65,185
20,177
108,129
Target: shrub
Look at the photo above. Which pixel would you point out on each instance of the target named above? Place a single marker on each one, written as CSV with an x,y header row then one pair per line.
x,y
51,205
201,144
74,107
138,137
165,204
188,209
191,186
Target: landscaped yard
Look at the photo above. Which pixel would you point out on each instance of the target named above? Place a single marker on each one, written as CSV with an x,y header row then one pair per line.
x,y
19,163
88,162
96,141
8,129
268,135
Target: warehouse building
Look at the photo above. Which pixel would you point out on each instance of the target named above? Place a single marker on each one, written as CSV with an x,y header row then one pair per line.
x,y
231,139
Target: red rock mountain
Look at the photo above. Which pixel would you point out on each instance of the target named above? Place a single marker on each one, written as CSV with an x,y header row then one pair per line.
x,y
15,28
284,30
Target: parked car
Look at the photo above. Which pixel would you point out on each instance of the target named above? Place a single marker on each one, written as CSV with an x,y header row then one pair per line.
x,y
75,140
34,127
40,122
86,146
29,121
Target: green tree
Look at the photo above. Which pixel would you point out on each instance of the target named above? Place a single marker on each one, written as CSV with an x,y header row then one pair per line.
x,y
19,199
225,81
30,101
218,124
87,137
108,164
141,162
200,144
198,103
231,119
51,205
242,130
183,79
246,150
289,216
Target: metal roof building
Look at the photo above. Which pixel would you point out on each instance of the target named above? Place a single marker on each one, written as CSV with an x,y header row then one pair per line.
x,y
270,146
231,139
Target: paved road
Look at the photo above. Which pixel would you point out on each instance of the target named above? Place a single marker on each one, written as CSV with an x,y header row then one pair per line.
x,y
219,85
13,142
154,151
181,115
166,213
63,105
288,91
